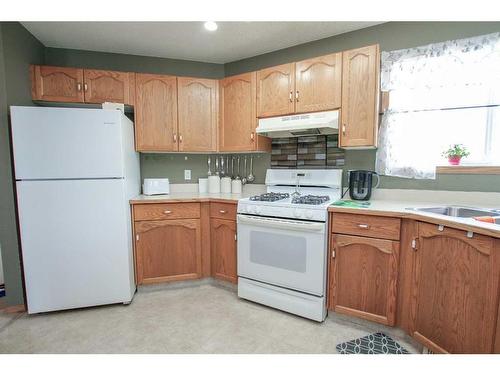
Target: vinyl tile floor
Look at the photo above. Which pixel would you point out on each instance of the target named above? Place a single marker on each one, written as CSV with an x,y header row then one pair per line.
x,y
204,318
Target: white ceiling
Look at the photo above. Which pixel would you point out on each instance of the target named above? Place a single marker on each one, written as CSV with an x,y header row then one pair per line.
x,y
186,40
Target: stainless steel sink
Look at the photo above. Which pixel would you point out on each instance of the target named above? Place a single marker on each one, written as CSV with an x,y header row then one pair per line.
x,y
457,211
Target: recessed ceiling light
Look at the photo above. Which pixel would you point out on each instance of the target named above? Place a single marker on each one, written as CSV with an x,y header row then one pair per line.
x,y
210,26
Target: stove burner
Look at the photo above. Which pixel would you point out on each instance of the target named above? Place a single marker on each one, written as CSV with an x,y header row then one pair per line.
x,y
270,197
311,199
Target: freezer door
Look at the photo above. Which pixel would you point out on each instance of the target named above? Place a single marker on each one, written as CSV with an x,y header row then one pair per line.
x,y
75,241
59,143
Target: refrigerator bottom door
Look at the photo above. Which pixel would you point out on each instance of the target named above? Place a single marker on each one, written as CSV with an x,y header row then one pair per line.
x,y
75,245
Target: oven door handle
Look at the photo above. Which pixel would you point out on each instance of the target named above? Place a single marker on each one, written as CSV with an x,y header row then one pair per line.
x,y
302,226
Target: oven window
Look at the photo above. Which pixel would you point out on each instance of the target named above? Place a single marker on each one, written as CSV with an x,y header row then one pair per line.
x,y
278,250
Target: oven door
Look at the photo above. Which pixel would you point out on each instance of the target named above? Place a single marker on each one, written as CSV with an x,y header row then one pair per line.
x,y
283,252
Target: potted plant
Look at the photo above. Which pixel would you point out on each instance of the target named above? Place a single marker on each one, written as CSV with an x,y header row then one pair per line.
x,y
455,153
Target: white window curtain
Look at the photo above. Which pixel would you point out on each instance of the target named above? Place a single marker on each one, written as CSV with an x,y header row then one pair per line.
x,y
440,94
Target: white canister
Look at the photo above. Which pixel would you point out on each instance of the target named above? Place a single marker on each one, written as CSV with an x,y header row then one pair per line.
x,y
213,184
203,185
236,186
225,185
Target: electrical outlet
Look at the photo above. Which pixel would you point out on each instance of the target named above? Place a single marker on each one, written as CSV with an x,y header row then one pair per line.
x,y
187,174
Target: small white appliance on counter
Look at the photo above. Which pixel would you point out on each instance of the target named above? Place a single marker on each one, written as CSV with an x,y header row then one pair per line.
x,y
282,241
156,186
75,170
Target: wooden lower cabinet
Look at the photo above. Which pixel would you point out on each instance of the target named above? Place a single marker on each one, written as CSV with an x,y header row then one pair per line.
x,y
167,250
223,249
455,290
363,277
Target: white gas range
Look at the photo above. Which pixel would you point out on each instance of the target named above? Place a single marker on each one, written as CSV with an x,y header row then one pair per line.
x,y
282,241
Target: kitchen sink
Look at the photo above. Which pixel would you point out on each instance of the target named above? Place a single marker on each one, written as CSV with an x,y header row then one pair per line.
x,y
457,211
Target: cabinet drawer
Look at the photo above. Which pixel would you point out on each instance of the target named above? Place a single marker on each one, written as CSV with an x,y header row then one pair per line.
x,y
366,225
163,211
223,210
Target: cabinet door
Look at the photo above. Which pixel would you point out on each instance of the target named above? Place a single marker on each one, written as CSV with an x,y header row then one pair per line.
x,y
360,87
275,91
455,290
318,83
156,113
168,250
223,238
57,84
363,277
108,86
197,114
238,113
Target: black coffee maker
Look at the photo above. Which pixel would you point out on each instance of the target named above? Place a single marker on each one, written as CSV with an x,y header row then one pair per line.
x,y
360,184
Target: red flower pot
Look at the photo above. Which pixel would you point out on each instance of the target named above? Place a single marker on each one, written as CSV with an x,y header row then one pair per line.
x,y
454,160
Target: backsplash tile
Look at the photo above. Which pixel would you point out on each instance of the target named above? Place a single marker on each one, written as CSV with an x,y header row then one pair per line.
x,y
319,151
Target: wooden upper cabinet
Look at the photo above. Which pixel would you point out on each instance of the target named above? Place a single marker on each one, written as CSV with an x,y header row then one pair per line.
x,y
52,83
363,277
197,100
237,113
238,116
108,86
360,93
275,90
318,83
455,290
156,113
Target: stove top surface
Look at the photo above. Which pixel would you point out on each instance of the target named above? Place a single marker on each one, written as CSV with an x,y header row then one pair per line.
x,y
311,199
278,200
270,197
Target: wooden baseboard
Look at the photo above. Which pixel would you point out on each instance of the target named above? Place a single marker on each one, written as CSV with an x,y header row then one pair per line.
x,y
14,309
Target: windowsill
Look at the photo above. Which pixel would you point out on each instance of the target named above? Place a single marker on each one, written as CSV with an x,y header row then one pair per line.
x,y
468,169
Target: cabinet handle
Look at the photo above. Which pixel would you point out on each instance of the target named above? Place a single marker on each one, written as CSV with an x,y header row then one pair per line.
x,y
78,86
363,226
167,212
290,96
343,129
297,95
85,87
175,138
333,253
252,136
180,138
222,211
414,244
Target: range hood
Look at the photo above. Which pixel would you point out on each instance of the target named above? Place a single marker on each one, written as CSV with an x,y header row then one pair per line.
x,y
319,123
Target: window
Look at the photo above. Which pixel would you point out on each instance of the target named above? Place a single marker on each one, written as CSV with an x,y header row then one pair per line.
x,y
440,94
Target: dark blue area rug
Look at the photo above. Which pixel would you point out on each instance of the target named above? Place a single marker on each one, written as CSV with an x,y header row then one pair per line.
x,y
377,343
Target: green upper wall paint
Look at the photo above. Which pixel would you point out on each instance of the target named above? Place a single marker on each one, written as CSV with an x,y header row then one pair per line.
x,y
131,63
18,49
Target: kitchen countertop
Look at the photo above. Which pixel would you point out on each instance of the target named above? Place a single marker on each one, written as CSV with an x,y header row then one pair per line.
x,y
396,208
378,207
188,197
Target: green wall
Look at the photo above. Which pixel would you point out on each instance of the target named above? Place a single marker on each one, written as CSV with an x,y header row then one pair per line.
x,y
131,63
18,48
173,166
390,36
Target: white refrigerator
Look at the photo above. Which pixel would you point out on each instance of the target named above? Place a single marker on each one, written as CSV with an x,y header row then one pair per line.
x,y
75,171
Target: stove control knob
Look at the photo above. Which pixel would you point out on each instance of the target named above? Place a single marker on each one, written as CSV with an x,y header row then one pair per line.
x,y
296,213
309,214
